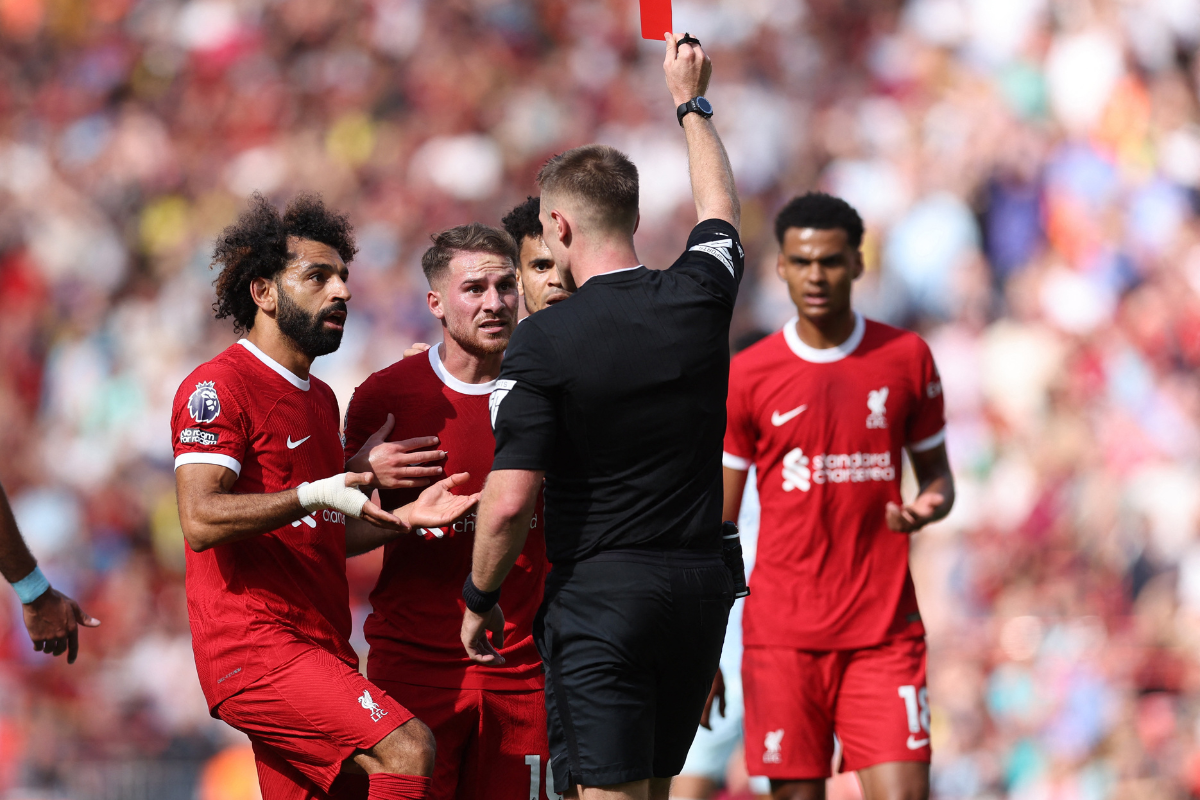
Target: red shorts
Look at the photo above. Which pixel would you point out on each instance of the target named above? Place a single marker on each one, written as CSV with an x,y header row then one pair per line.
x,y
874,700
490,744
305,718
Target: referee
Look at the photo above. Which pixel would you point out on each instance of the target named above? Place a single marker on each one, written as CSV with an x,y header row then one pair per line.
x,y
616,396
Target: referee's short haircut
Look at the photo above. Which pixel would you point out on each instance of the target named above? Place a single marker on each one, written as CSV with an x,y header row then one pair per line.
x,y
474,237
601,178
823,212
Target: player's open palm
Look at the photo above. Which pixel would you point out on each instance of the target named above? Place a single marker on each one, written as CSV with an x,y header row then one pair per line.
x,y
438,506
915,515
53,622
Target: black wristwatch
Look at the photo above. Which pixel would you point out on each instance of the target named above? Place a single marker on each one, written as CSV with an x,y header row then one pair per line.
x,y
698,104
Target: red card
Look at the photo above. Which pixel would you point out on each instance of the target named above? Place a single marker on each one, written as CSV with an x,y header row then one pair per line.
x,y
656,18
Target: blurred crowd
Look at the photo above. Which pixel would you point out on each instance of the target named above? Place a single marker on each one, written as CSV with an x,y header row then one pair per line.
x,y
1029,171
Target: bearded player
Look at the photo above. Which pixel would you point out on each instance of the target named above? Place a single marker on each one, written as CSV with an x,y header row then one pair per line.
x,y
834,643
269,517
540,285
489,722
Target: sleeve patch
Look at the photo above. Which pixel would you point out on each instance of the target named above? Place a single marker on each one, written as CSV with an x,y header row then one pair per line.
x,y
204,406
720,249
198,436
503,387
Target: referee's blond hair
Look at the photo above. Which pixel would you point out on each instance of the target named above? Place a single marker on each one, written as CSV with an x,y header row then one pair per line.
x,y
601,180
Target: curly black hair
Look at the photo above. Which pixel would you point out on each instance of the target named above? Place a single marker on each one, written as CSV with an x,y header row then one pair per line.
x,y
256,247
523,220
823,212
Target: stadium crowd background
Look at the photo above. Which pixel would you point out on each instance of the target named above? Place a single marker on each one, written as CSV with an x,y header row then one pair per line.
x,y
1029,171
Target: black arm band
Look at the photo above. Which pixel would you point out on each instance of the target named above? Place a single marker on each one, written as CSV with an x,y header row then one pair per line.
x,y
478,600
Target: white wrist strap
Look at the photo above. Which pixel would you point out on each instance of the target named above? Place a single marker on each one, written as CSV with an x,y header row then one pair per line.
x,y
32,586
332,493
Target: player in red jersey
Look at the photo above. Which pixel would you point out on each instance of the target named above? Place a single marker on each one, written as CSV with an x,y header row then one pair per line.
x,y
269,516
834,643
489,721
541,285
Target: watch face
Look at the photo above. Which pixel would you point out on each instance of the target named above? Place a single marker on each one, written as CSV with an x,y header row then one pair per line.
x,y
704,106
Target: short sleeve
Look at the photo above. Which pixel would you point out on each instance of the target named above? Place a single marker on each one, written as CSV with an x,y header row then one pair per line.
x,y
714,258
364,415
741,433
524,403
927,425
209,422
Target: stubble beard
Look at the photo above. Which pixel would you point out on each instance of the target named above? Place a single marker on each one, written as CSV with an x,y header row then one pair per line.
x,y
470,339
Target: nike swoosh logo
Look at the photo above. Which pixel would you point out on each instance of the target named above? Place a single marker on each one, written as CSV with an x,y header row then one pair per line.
x,y
778,419
293,445
915,743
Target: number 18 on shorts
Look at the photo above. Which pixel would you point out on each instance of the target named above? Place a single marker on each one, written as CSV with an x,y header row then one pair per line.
x,y
873,699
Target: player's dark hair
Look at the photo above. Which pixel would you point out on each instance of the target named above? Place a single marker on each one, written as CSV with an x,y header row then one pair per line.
x,y
523,221
474,237
602,178
256,247
823,212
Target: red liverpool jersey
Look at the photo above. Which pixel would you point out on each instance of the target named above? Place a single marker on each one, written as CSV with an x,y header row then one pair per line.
x,y
825,429
257,603
414,627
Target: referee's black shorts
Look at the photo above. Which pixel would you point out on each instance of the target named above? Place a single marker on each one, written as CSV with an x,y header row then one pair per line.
x,y
631,640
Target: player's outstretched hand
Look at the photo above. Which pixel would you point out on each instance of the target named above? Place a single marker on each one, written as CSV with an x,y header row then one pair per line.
x,y
371,512
414,349
688,69
437,506
396,465
717,692
915,515
475,629
53,622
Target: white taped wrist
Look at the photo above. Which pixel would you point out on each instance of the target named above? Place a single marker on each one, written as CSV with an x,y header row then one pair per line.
x,y
332,493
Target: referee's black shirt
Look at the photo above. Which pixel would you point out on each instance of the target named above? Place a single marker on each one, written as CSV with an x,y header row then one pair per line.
x,y
618,394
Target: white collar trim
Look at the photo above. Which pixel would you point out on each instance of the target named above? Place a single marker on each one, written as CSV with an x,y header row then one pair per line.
x,y
462,387
287,374
826,355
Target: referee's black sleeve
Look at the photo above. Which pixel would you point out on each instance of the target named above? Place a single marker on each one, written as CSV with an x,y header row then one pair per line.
x,y
523,402
714,258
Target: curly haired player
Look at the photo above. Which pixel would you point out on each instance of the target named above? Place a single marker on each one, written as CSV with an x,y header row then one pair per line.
x,y
269,516
541,285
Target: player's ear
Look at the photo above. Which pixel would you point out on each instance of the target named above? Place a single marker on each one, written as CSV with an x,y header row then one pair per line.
x,y
637,222
857,264
779,265
434,300
263,291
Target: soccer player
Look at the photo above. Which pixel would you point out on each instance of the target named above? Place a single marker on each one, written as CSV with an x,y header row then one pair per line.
x,y
540,284
51,618
269,517
489,722
617,395
823,409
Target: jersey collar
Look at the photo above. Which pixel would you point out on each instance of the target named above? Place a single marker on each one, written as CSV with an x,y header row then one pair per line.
x,y
452,382
275,366
825,355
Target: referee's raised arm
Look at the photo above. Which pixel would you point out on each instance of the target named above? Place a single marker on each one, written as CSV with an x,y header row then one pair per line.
x,y
688,70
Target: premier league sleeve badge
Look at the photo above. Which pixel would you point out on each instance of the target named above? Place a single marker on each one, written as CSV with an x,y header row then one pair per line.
x,y
204,405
